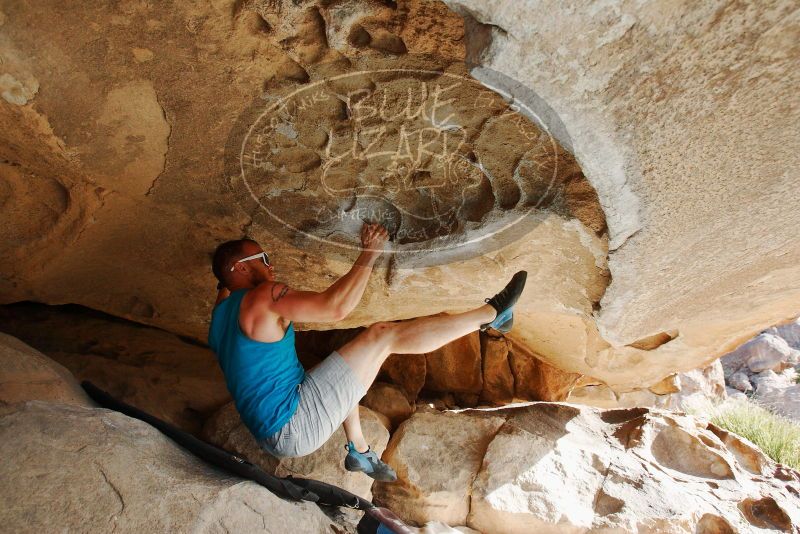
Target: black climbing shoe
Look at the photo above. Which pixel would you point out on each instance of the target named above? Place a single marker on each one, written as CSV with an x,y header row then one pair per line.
x,y
504,302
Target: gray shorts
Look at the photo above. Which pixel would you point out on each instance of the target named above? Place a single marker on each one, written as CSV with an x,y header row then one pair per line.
x,y
328,394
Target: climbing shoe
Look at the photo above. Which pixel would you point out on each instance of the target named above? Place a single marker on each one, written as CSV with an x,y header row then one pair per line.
x,y
504,302
368,463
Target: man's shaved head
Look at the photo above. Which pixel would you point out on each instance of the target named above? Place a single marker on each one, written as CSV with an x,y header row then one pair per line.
x,y
229,253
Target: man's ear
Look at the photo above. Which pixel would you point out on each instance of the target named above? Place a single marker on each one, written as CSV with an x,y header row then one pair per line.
x,y
242,268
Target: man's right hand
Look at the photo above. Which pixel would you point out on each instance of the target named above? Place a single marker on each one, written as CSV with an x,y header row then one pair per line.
x,y
373,238
333,304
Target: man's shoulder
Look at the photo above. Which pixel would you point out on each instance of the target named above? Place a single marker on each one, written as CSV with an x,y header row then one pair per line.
x,y
259,300
268,292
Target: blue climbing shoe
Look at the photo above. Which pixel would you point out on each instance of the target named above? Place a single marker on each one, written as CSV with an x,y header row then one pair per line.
x,y
368,463
503,322
504,302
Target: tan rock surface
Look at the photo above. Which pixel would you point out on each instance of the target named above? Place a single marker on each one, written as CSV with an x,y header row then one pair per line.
x,y
153,370
765,352
27,374
790,332
115,186
498,378
40,418
456,367
225,429
683,118
406,370
693,389
550,467
389,400
115,174
70,466
77,469
536,379
435,468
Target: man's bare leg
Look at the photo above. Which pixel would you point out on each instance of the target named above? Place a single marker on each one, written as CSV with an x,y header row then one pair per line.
x,y
366,352
352,428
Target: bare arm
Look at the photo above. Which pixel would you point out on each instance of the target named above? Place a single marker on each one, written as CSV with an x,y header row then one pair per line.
x,y
336,302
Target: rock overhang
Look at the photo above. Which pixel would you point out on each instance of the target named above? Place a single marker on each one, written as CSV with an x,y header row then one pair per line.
x,y
240,52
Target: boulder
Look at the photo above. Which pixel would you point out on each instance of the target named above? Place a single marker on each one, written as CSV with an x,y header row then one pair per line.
x,y
764,352
767,380
225,429
740,381
789,332
681,391
675,250
592,393
536,379
137,480
407,371
735,394
435,468
772,353
389,400
79,469
156,371
155,182
699,387
456,367
27,374
670,384
498,378
780,393
109,159
624,470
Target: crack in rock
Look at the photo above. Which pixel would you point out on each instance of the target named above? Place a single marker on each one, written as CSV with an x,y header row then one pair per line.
x,y
114,488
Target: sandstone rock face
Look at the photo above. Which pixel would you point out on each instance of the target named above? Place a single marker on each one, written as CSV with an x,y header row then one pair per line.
x,y
535,379
153,370
455,367
225,429
389,400
78,469
656,100
548,467
679,391
123,128
436,466
698,386
27,374
478,369
108,471
157,176
498,378
407,371
68,466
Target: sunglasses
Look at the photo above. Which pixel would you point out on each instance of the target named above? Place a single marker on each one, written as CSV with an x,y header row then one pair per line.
x,y
262,255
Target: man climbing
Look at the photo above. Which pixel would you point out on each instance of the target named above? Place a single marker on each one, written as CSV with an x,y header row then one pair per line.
x,y
290,411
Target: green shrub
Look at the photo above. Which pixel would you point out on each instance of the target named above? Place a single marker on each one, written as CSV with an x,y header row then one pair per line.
x,y
777,436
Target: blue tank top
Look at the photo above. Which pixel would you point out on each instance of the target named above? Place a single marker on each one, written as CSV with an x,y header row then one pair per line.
x,y
261,377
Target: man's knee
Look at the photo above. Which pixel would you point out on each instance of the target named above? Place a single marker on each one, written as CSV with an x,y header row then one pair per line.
x,y
381,333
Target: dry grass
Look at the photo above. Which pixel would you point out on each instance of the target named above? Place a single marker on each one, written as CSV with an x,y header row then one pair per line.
x,y
777,436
